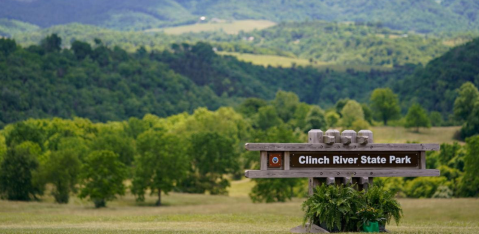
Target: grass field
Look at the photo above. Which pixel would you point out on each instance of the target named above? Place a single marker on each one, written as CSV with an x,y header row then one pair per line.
x,y
402,135
276,61
228,27
214,214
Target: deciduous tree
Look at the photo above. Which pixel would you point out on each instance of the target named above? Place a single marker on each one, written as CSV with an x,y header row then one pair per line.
x,y
385,104
102,176
160,164
417,117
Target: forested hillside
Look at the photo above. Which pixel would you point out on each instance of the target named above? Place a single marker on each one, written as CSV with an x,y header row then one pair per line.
x,y
317,41
102,83
343,43
423,16
434,86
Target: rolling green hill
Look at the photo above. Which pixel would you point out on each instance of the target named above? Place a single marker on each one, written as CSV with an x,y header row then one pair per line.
x,y
9,28
318,42
434,86
104,83
423,16
343,43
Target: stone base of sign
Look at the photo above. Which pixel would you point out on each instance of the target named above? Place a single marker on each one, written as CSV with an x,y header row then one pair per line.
x,y
307,229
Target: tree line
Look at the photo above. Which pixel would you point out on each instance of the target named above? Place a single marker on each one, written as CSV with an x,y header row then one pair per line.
x,y
200,152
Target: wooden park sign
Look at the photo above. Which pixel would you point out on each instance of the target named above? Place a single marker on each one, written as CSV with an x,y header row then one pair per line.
x,y
349,157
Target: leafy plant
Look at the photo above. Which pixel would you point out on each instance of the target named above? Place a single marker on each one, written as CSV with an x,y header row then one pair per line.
x,y
384,201
340,208
334,206
369,214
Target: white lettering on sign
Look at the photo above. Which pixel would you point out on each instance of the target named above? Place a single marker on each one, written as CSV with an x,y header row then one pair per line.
x,y
311,160
394,159
360,159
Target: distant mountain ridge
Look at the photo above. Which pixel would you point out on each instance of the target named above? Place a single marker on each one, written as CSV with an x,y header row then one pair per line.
x,y
423,16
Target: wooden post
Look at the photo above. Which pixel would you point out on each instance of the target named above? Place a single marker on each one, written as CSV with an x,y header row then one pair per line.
x,y
264,160
315,136
286,160
366,135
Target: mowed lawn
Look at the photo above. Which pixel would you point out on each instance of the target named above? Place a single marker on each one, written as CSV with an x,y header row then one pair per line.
x,y
402,135
228,27
214,214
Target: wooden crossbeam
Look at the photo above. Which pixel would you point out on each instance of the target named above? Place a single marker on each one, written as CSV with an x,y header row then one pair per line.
x,y
339,147
339,173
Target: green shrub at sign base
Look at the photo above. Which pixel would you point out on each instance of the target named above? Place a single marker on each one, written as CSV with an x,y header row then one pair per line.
x,y
342,208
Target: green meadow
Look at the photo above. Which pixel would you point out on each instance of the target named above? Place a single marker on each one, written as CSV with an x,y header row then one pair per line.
x,y
232,27
282,61
235,213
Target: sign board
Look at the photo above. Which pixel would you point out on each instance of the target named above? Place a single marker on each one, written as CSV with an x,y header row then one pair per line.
x,y
347,155
346,159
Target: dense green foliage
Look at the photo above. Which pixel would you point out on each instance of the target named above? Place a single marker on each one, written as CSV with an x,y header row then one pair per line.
x,y
9,28
466,108
95,82
385,105
470,183
102,175
422,16
417,117
318,41
18,173
434,86
341,43
102,83
342,208
160,164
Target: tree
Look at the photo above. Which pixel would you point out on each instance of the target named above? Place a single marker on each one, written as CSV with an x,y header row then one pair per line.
x,y
52,43
17,172
285,104
102,176
340,105
417,117
62,171
471,126
160,165
368,113
267,117
118,143
81,49
332,118
212,156
470,181
385,104
251,106
315,119
464,103
7,46
436,118
351,112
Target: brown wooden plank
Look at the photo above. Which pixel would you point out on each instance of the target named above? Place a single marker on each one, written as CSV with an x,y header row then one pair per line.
x,y
339,173
339,147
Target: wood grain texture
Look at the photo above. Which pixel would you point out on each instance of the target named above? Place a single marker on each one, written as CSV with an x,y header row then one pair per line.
x,y
339,147
264,160
339,173
286,160
315,136
422,160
